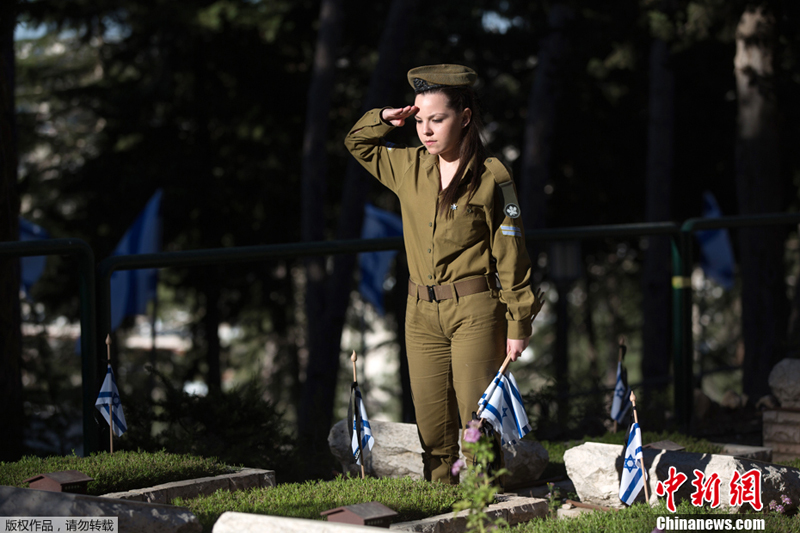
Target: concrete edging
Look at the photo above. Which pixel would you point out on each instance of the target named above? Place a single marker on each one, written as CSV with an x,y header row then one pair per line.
x,y
515,509
247,478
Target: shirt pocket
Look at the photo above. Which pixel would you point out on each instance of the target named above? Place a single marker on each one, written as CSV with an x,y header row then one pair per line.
x,y
466,226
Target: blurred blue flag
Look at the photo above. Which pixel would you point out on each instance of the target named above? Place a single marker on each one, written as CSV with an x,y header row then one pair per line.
x,y
633,476
361,438
715,246
378,224
501,405
31,268
108,398
622,393
132,289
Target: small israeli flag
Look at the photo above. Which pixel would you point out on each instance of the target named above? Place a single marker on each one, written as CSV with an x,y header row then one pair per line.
x,y
621,402
360,428
633,477
110,396
501,405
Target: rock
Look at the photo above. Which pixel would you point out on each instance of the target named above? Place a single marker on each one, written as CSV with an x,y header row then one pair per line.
x,y
397,453
595,470
785,382
245,522
134,517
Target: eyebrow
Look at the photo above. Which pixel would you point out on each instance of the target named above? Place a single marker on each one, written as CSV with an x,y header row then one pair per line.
x,y
431,115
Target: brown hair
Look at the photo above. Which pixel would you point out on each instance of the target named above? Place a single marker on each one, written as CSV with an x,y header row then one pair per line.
x,y
471,147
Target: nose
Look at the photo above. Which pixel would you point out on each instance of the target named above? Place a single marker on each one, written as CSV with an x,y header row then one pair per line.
x,y
426,128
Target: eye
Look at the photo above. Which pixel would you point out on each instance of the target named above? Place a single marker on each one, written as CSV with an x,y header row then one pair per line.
x,y
437,120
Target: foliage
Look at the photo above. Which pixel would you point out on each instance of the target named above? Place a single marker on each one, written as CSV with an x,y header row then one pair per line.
x,y
480,483
237,426
117,472
412,500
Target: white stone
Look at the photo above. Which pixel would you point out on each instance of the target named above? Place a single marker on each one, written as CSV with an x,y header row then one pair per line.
x,y
253,523
134,517
785,382
595,470
398,453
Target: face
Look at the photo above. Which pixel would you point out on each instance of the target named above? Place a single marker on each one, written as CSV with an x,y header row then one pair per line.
x,y
439,127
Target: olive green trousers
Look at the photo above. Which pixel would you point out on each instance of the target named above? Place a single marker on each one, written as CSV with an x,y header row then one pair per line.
x,y
455,347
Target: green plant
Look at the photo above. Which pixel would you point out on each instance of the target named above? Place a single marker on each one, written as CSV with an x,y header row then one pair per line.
x,y
237,426
479,486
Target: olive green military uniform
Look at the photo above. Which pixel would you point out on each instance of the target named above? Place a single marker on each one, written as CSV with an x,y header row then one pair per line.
x,y
457,317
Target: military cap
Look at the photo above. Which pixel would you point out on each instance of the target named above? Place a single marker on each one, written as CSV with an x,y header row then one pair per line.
x,y
435,76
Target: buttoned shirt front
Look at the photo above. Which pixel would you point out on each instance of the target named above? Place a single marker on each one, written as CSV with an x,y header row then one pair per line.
x,y
476,238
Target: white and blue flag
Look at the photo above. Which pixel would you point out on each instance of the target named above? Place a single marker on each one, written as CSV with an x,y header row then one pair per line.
x,y
633,477
501,405
622,393
109,396
362,438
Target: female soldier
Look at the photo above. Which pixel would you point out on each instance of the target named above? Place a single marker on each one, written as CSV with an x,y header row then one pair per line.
x,y
462,235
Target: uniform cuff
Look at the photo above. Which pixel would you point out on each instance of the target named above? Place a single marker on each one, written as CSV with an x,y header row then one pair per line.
x,y
519,329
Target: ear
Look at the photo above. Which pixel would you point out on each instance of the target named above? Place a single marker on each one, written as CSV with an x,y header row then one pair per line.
x,y
466,116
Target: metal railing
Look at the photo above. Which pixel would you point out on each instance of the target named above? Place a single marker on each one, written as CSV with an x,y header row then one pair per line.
x,y
84,257
91,344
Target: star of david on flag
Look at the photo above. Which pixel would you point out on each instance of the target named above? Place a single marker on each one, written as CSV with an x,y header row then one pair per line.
x,y
621,402
501,405
633,477
361,433
109,396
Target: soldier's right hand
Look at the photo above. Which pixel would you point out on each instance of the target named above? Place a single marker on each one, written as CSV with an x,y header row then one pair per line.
x,y
397,116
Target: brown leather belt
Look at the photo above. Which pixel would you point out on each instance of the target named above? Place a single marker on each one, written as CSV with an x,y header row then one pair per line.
x,y
437,293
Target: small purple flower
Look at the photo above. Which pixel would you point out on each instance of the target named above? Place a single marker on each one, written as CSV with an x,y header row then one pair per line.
x,y
786,500
772,505
779,509
457,466
472,434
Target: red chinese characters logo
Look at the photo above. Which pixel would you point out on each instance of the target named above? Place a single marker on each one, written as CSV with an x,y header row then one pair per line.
x,y
668,487
705,489
746,488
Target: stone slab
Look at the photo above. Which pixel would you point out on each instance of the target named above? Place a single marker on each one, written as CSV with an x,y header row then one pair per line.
x,y
253,523
759,453
513,508
595,469
398,453
134,517
247,478
563,512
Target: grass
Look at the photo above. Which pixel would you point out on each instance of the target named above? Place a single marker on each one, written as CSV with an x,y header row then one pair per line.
x,y
412,500
119,472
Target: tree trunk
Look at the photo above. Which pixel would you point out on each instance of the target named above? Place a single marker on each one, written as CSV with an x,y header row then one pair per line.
x,y
314,188
759,190
324,347
11,419
540,121
656,298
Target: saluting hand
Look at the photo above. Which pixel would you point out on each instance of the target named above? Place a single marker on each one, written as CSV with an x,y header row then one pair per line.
x,y
397,116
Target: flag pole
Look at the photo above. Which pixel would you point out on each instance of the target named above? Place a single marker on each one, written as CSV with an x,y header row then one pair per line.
x,y
353,358
622,350
111,404
641,464
538,307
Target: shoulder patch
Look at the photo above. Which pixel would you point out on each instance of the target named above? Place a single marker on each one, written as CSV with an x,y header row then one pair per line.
x,y
503,178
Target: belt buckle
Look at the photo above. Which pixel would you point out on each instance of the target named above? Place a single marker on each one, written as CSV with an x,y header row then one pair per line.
x,y
431,293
